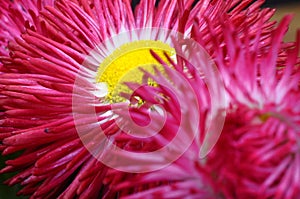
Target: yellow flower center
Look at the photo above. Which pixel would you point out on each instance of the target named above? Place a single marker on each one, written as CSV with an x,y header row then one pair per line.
x,y
264,117
124,63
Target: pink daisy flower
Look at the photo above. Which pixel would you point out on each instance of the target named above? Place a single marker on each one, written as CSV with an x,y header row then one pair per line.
x,y
257,155
64,64
37,88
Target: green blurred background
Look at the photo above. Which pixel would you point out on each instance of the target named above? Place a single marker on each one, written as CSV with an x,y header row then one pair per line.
x,y
5,191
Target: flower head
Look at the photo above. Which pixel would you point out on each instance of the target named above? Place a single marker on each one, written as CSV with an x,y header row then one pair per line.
x,y
258,147
106,101
43,60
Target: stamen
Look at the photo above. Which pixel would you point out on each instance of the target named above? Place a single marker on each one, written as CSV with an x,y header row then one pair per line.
x,y
124,63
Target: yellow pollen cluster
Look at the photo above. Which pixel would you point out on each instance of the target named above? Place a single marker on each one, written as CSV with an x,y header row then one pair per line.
x,y
124,63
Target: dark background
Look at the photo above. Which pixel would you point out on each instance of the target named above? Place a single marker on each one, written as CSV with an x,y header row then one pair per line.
x,y
271,3
278,2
